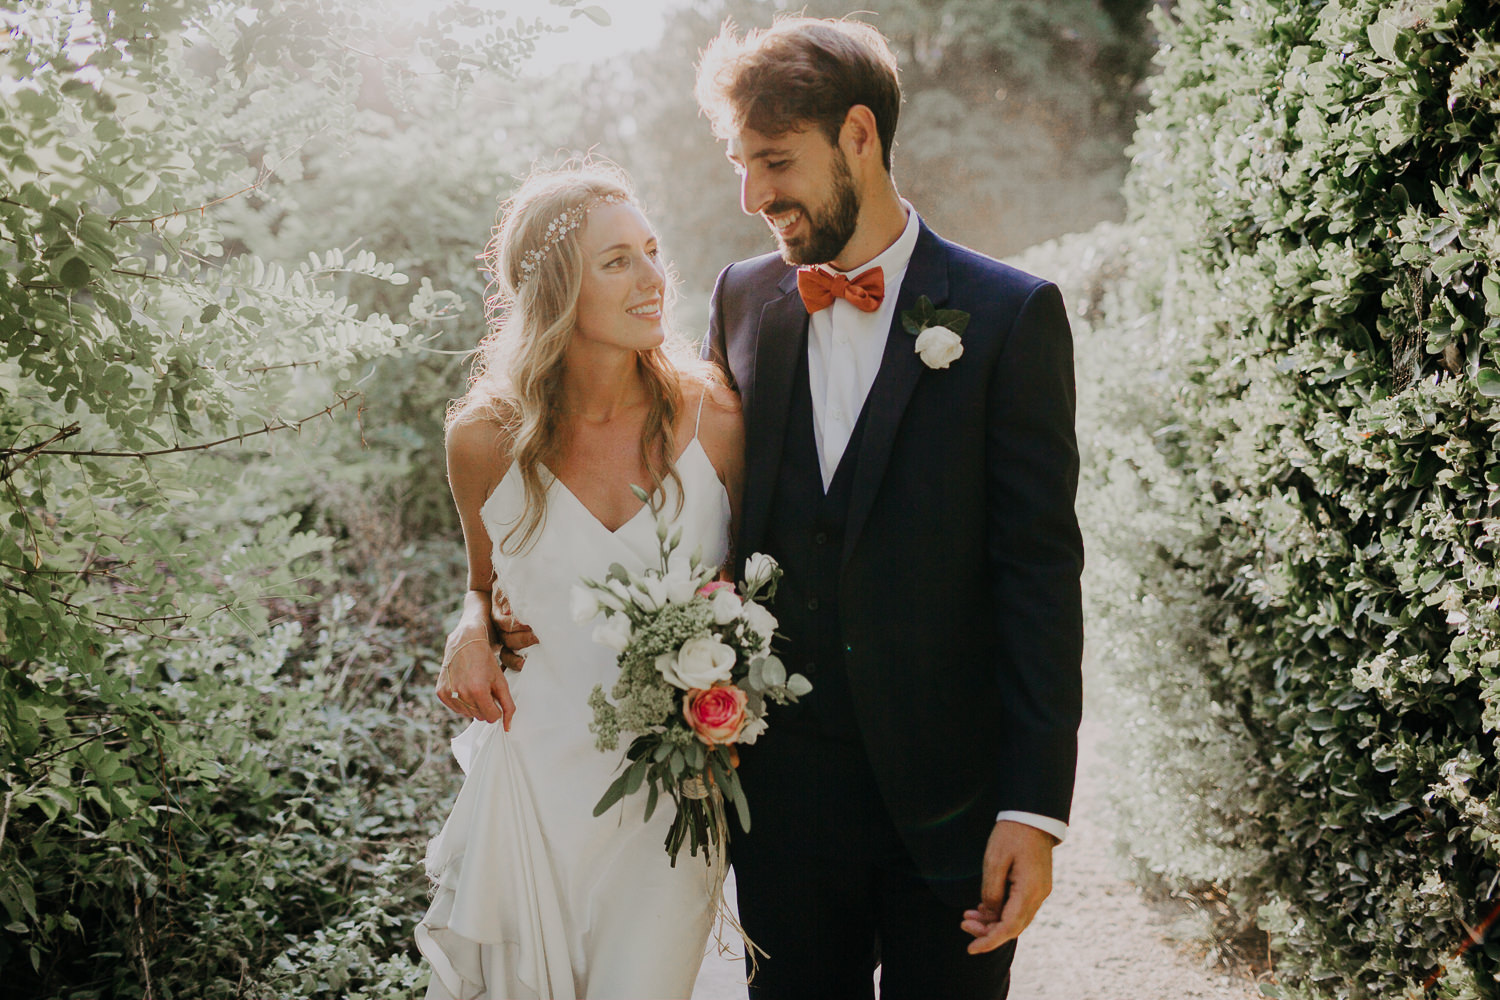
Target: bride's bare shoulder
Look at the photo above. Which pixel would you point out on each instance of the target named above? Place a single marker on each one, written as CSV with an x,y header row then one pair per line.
x,y
478,445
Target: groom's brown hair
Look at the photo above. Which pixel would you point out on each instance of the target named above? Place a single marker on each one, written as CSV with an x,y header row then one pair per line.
x,y
801,71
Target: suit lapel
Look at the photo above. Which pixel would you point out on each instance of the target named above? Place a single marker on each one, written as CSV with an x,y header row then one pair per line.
x,y
781,334
900,368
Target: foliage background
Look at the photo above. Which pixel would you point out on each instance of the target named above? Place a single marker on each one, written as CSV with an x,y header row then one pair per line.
x,y
1290,384
238,286
237,273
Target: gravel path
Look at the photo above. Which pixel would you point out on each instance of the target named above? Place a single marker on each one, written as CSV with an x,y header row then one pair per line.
x,y
1095,939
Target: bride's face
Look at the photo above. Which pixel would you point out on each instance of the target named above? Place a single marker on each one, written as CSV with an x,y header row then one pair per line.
x,y
620,301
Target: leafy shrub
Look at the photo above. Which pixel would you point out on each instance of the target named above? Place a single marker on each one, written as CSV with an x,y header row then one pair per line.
x,y
207,755
1299,430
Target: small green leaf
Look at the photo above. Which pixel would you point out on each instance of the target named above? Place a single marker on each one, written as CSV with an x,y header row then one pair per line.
x,y
635,776
1488,382
1452,262
598,15
75,273
653,791
614,793
1383,37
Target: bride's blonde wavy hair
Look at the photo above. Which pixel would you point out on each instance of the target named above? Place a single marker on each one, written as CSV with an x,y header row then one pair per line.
x,y
518,371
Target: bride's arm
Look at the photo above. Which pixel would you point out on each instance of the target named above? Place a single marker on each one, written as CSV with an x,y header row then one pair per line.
x,y
471,681
722,433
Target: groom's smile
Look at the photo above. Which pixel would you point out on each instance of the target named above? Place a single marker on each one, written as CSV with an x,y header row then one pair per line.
x,y
783,222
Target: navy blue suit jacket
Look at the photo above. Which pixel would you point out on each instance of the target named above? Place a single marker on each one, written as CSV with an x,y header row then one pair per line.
x,y
959,593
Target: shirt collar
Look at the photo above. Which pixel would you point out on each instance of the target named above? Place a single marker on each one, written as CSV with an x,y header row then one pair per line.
x,y
894,258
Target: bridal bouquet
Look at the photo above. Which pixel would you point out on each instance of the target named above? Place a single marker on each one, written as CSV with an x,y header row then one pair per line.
x,y
696,674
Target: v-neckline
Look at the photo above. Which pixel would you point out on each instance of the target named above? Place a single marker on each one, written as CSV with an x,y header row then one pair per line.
x,y
614,532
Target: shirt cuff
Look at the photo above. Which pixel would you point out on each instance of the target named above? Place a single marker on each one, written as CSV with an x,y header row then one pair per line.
x,y
1046,824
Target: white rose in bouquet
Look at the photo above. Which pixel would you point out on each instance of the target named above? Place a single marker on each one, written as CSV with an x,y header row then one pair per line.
x,y
700,663
758,570
614,632
681,585
726,605
761,621
584,605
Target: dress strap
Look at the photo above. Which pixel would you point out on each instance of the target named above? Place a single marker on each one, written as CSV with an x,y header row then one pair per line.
x,y
701,398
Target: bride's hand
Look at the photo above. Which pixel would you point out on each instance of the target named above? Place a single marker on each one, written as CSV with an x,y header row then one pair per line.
x,y
472,682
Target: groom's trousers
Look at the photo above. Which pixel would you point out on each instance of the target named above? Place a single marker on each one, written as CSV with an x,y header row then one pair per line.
x,y
826,886
828,890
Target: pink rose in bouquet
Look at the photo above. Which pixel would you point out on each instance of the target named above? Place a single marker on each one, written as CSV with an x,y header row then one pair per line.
x,y
716,714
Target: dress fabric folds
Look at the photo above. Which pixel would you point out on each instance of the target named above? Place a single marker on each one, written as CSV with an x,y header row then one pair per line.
x,y
535,897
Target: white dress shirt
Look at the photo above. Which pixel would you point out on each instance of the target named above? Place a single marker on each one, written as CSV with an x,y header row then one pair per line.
x,y
844,349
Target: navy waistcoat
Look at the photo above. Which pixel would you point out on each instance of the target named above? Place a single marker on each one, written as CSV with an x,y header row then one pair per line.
x,y
805,534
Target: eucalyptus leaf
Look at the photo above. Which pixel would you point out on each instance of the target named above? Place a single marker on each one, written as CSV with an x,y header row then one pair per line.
x,y
773,672
653,792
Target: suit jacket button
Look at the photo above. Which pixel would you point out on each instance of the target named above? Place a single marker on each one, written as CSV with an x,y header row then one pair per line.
x,y
821,538
812,604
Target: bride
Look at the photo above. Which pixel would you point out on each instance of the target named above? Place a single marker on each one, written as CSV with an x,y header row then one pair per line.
x,y
580,392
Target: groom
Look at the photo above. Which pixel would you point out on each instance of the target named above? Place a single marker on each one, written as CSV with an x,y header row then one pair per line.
x,y
918,492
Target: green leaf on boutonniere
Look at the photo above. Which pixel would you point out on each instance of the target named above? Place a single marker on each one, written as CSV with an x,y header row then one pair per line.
x,y
954,319
925,315
917,319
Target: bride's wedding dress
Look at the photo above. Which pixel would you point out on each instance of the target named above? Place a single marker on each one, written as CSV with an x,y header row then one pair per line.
x,y
535,896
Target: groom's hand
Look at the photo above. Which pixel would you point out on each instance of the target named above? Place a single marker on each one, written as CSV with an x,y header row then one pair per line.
x,y
1017,877
515,635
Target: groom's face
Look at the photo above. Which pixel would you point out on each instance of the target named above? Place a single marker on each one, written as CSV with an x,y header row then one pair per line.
x,y
800,183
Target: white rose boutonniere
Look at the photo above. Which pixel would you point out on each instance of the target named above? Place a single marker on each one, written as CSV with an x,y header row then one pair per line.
x,y
939,332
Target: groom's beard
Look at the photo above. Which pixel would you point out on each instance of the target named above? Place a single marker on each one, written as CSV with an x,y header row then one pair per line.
x,y
831,227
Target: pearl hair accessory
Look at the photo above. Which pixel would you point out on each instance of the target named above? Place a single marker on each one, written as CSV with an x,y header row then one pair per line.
x,y
560,227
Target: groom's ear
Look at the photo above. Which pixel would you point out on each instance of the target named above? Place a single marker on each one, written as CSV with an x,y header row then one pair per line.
x,y
858,137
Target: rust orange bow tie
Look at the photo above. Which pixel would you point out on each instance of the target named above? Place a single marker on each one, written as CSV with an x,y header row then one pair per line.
x,y
819,288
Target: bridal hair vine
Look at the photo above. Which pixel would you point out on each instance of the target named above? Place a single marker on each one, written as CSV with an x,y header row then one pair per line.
x,y
559,227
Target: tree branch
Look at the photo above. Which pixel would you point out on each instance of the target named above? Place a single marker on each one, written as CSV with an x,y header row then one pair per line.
x,y
266,173
131,623
344,400
88,739
31,451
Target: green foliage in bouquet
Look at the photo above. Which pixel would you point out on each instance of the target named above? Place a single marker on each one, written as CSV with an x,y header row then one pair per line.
x,y
1291,421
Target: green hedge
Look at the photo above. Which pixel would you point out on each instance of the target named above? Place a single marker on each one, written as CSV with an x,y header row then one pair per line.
x,y
1290,385
219,757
